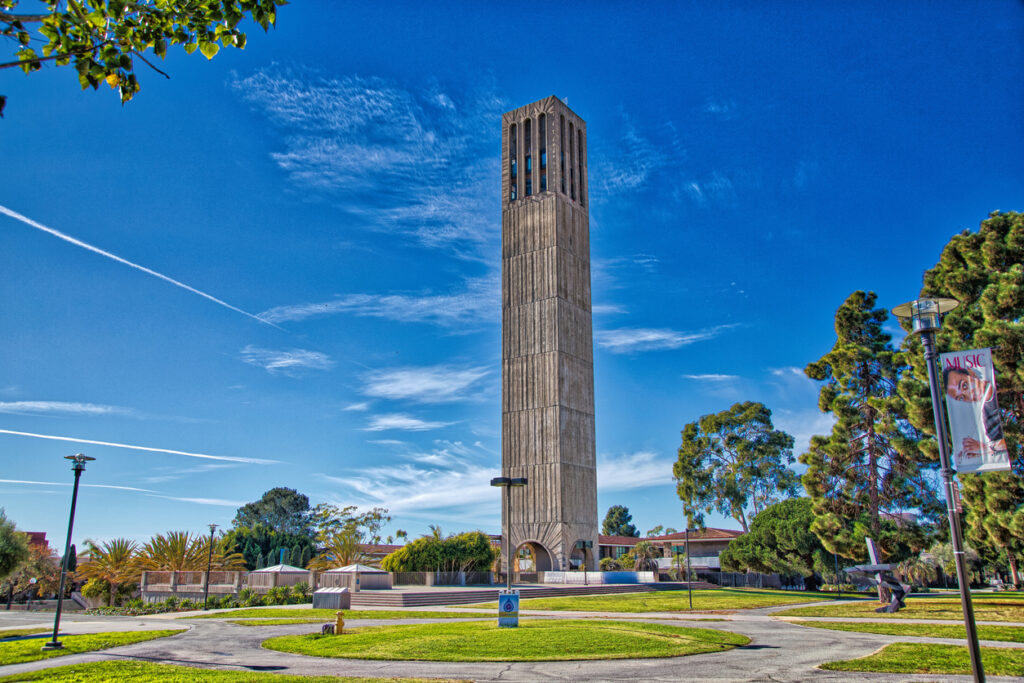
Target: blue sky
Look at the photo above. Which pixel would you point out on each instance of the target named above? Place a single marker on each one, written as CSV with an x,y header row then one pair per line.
x,y
750,166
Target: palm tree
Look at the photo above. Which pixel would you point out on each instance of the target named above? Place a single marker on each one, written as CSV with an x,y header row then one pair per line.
x,y
182,552
919,570
115,562
341,548
643,557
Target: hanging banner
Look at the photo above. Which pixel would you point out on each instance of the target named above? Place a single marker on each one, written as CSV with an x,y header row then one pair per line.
x,y
969,383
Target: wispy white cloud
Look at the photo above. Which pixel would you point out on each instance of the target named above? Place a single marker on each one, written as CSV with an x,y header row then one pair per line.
x,y
712,377
633,340
478,301
61,483
61,407
225,458
380,151
380,423
79,243
357,406
717,189
204,501
633,471
725,109
289,362
432,384
607,309
452,476
165,474
627,163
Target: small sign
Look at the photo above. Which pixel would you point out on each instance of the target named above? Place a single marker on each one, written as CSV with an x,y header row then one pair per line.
x,y
508,608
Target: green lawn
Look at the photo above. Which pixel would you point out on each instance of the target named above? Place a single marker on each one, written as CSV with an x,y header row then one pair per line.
x,y
1009,634
909,658
704,600
18,651
541,640
16,632
310,614
141,672
985,609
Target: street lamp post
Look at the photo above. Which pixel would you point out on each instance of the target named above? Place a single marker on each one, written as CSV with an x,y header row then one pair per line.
x,y
507,483
926,317
77,466
689,586
209,563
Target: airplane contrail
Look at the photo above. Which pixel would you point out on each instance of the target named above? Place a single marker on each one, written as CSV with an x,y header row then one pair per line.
x,y
58,483
79,243
226,458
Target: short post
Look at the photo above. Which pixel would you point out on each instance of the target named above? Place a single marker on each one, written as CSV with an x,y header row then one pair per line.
x,y
508,599
77,465
339,623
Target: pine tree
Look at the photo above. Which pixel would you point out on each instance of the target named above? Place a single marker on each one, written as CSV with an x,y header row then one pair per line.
x,y
984,271
295,556
870,467
307,555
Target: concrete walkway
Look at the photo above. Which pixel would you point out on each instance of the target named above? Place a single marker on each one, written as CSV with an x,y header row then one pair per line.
x,y
779,651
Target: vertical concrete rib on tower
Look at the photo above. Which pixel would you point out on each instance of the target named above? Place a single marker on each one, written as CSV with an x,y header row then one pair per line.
x,y
547,338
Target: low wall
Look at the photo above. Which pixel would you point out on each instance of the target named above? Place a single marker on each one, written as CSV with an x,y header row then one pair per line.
x,y
596,578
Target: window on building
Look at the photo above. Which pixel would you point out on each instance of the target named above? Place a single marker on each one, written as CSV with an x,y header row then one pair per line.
x,y
572,166
542,140
561,150
513,132
579,161
527,148
529,186
543,182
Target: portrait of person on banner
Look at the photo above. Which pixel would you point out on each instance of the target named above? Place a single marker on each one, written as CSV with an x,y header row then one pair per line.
x,y
975,423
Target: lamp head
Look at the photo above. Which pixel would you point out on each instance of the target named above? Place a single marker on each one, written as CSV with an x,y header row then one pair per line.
x,y
213,527
501,481
517,481
78,461
925,314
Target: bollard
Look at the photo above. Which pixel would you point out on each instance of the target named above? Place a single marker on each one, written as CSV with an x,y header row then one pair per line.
x,y
339,623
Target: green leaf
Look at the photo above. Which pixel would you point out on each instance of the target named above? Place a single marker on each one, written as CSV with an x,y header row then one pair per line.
x,y
191,47
209,49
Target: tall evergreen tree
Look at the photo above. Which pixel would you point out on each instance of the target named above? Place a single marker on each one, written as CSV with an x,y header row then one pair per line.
x,y
732,461
617,522
984,271
307,555
295,556
870,467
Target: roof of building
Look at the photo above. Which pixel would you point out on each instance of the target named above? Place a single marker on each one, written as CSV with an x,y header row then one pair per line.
x,y
378,549
282,569
37,538
708,534
619,540
352,568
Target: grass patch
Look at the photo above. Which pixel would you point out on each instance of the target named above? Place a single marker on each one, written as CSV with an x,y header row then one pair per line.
x,y
533,641
910,658
985,609
704,600
18,651
1009,634
142,672
325,615
18,632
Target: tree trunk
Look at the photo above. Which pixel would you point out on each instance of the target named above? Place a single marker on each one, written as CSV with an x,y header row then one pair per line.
x,y
1014,571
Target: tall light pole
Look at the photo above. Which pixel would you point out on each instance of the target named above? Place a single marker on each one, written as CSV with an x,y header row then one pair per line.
x,y
507,483
77,466
925,316
689,586
209,562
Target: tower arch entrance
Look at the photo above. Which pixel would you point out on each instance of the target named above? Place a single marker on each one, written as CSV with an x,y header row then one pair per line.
x,y
532,557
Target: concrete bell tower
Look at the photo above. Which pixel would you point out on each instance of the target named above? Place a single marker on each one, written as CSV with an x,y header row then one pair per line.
x,y
547,354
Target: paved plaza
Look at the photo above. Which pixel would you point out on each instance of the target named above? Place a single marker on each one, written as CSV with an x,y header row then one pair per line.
x,y
780,650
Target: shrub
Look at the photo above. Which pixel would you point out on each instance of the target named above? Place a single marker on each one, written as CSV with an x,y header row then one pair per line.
x,y
171,603
278,595
609,564
301,592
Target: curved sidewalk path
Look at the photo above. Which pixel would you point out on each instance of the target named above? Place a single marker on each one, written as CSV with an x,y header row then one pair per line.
x,y
778,651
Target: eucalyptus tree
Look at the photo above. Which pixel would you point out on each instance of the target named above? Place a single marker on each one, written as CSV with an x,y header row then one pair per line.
x,y
13,546
984,271
734,462
869,469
